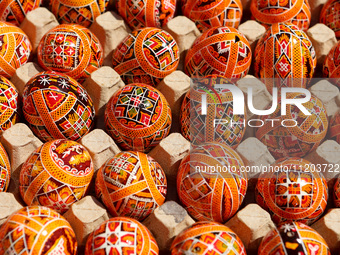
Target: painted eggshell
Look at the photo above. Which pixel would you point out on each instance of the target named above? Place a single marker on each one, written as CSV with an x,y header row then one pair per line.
x,y
71,49
138,117
207,238
219,51
78,12
146,55
210,182
15,11
268,12
294,134
37,230
121,236
5,169
331,65
57,107
284,57
15,49
329,16
293,238
146,13
131,184
219,123
216,13
56,175
293,191
9,104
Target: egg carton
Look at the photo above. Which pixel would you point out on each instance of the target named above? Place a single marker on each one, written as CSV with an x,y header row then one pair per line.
x,y
251,222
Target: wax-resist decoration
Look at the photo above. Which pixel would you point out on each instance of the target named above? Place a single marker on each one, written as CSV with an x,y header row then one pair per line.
x,y
207,237
211,183
294,134
57,107
138,117
292,190
120,236
15,11
284,57
82,13
268,12
131,184
71,49
218,123
15,49
215,14
219,51
146,13
293,238
56,175
146,55
37,230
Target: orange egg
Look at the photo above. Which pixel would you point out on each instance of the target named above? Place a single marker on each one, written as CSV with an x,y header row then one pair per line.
x,y
122,235
37,230
131,184
293,238
56,175
293,189
71,49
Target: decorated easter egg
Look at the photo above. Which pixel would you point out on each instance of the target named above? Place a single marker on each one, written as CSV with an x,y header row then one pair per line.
x,y
57,107
292,189
122,235
331,66
284,57
9,104
207,238
71,49
37,230
294,134
14,11
146,56
82,13
336,190
334,127
219,123
329,16
56,175
268,12
5,169
219,51
293,238
215,14
211,183
138,117
131,184
146,13
15,48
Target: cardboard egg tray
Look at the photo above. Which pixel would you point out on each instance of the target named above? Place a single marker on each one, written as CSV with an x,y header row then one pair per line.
x,y
251,222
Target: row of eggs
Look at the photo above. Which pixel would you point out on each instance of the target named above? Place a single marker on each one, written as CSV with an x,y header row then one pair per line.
x,y
148,55
151,13
40,230
132,184
138,116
